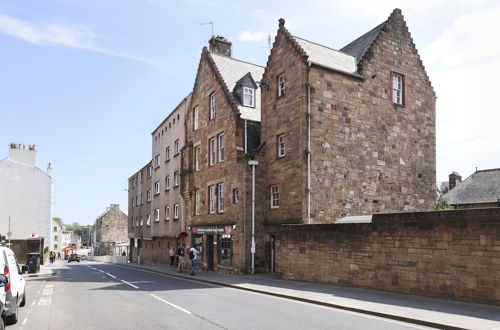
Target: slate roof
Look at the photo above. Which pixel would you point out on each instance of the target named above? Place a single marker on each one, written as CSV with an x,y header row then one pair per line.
x,y
328,57
481,187
232,70
360,46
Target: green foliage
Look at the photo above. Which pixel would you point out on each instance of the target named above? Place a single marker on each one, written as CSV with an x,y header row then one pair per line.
x,y
443,204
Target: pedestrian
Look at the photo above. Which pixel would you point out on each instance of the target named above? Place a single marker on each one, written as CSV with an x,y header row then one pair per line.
x,y
51,257
59,255
180,263
193,255
124,254
171,253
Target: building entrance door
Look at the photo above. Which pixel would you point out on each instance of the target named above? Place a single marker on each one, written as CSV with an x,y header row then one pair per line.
x,y
210,252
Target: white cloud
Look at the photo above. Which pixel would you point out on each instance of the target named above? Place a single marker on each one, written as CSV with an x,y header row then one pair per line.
x,y
76,36
471,37
249,36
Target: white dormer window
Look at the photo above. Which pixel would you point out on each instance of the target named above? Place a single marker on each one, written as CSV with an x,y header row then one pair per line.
x,y
248,97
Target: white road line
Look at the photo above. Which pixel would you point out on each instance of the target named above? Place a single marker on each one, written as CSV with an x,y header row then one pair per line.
x,y
24,322
110,275
169,303
128,283
100,270
34,302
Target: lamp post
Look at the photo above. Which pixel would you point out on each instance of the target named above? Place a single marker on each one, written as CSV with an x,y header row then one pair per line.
x,y
253,163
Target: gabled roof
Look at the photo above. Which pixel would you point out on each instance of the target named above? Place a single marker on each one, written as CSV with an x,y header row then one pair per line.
x,y
231,71
360,46
327,57
481,187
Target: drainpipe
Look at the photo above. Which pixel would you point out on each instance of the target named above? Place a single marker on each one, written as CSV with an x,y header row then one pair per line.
x,y
245,136
308,145
253,163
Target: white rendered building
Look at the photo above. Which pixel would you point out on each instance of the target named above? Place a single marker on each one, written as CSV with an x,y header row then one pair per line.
x,y
25,195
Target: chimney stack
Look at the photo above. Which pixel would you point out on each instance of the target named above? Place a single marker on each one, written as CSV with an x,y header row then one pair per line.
x,y
454,179
220,46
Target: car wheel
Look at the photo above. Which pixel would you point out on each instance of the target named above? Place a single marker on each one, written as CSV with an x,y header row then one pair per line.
x,y
78,260
2,326
23,302
12,319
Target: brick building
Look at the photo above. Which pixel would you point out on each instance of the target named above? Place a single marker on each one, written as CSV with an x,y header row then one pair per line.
x,y
222,132
110,229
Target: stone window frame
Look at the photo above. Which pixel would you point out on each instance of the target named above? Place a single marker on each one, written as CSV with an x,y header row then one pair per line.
x,y
157,161
196,118
167,182
157,187
236,195
150,171
149,195
148,220
281,85
220,197
280,145
275,196
212,151
177,178
197,201
402,82
212,199
197,157
220,147
212,106
167,154
167,212
157,214
176,211
177,148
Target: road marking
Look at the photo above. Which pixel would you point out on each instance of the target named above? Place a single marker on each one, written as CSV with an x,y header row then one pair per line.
x,y
169,303
24,322
128,283
100,270
110,275
34,302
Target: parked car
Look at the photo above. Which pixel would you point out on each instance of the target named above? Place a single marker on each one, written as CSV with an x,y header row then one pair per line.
x,y
74,257
3,282
14,289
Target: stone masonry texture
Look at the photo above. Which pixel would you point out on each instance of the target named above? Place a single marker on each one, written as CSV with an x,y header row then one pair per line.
x,y
444,254
368,155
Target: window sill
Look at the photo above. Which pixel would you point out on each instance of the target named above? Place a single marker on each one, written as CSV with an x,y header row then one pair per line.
x,y
398,105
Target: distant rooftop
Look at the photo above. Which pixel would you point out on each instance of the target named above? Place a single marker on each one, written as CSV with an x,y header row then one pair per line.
x,y
480,187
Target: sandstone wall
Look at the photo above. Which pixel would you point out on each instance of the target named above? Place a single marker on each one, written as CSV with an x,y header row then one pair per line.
x,y
447,254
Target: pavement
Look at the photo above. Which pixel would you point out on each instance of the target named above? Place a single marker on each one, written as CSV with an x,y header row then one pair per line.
x,y
438,313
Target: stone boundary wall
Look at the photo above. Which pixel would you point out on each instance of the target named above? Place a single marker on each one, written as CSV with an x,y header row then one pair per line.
x,y
443,254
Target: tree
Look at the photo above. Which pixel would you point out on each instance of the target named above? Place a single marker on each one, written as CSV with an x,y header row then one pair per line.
x,y
443,204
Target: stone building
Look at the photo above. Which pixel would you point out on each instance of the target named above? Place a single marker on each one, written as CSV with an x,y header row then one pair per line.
x,y
111,229
164,205
347,132
139,210
25,195
222,132
480,190
57,235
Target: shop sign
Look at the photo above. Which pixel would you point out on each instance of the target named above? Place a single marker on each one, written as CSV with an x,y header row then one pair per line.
x,y
212,230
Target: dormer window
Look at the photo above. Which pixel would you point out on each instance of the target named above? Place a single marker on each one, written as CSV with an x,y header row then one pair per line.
x,y
248,97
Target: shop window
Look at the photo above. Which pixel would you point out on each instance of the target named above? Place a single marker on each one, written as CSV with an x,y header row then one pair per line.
x,y
226,250
198,245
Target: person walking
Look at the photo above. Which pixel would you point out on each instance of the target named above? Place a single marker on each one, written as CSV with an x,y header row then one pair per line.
x,y
180,254
171,253
193,255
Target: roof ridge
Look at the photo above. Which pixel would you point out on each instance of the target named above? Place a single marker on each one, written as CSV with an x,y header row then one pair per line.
x,y
488,170
313,42
238,60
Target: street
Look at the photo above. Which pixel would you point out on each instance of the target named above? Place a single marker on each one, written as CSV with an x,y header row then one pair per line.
x,y
92,295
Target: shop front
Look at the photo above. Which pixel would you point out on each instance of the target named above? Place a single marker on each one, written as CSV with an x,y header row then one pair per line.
x,y
215,245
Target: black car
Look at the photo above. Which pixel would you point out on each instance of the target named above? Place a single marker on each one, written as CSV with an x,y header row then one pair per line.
x,y
74,257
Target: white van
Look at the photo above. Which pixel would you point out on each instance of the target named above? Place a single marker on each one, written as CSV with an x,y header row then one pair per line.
x,y
13,293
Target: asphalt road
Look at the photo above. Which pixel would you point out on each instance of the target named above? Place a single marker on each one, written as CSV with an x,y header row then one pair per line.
x,y
91,295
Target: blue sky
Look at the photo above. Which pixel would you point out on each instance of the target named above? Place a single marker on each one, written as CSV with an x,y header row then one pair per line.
x,y
88,80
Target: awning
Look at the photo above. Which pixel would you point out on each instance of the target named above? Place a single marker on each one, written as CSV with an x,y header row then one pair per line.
x,y
183,234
